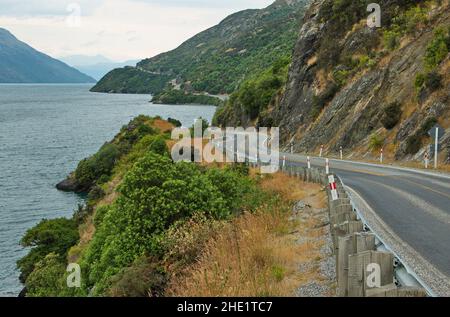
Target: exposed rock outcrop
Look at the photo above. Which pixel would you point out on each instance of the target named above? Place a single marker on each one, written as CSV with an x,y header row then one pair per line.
x,y
354,112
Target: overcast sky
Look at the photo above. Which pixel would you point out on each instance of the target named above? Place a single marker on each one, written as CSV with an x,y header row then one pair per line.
x,y
117,29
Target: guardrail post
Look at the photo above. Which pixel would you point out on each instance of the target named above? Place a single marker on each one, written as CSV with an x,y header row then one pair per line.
x,y
350,244
358,271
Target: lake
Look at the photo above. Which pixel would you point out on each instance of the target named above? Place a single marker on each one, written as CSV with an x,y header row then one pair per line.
x,y
45,130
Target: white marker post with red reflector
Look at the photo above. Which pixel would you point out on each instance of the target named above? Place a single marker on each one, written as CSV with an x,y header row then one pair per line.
x,y
381,156
308,160
342,153
333,187
327,166
427,159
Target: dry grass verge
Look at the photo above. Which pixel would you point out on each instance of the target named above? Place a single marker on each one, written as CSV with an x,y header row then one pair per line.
x,y
260,254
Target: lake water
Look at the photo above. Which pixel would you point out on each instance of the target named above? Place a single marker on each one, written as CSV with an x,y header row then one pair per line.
x,y
45,130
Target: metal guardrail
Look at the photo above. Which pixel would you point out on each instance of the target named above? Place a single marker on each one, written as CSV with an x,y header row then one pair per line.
x,y
404,275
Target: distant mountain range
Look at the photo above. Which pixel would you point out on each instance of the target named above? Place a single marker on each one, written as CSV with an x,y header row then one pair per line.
x,y
20,63
95,66
219,59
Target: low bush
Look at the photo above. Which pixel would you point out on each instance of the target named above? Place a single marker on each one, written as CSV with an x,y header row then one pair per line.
x,y
391,115
438,49
413,144
144,278
376,142
101,164
175,122
433,81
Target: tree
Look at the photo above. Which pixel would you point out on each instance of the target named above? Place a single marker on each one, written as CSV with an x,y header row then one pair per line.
x,y
47,279
49,236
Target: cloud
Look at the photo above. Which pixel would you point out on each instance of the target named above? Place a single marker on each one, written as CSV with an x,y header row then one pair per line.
x,y
241,4
117,29
45,8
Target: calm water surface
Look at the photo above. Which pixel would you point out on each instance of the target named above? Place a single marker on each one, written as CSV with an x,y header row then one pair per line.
x,y
45,130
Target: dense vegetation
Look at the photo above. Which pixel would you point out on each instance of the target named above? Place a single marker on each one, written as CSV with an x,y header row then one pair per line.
x,y
131,252
220,58
437,50
256,93
97,169
130,80
179,97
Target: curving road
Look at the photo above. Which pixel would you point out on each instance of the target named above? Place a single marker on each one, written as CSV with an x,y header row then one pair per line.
x,y
414,204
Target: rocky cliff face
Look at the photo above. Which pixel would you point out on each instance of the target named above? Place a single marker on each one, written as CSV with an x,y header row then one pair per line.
x,y
319,107
366,88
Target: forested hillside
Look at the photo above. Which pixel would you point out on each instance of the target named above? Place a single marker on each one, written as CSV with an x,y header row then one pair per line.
x,y
219,59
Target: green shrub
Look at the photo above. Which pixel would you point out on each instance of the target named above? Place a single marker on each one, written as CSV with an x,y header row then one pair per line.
x,y
91,169
375,142
49,236
47,278
178,97
437,50
278,273
144,278
419,81
404,23
391,115
413,144
256,93
433,81
341,76
391,39
155,194
175,122
159,146
100,214
96,193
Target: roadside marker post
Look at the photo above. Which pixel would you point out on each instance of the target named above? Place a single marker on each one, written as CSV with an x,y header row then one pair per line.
x,y
284,162
436,148
381,156
437,132
292,148
427,159
308,160
321,151
342,153
327,166
333,187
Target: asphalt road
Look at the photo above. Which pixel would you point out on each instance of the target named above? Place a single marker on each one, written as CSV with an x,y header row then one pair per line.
x,y
415,205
